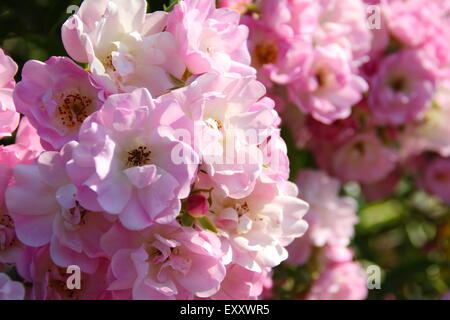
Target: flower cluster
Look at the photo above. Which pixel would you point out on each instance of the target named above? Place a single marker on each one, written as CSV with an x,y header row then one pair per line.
x,y
331,221
364,86
158,169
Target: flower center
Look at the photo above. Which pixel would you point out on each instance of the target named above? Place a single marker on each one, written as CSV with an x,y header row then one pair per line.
x,y
323,78
442,177
214,124
108,63
360,148
7,233
79,210
6,221
266,53
398,84
75,216
74,109
138,157
241,208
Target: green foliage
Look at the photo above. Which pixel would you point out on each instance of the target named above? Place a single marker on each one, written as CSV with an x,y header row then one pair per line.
x,y
170,6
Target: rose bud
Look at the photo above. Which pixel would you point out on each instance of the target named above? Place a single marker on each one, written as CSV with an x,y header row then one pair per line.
x,y
197,205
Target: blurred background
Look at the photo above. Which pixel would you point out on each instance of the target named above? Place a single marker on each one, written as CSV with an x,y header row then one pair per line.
x,y
407,236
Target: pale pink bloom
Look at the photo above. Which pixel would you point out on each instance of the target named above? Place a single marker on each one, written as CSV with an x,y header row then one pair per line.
x,y
435,178
331,218
228,120
56,96
401,15
275,159
363,158
9,118
28,138
431,27
327,87
340,281
291,18
241,284
10,290
126,48
165,262
276,58
260,226
55,216
209,39
25,150
402,88
124,162
336,254
432,133
238,5
50,280
344,22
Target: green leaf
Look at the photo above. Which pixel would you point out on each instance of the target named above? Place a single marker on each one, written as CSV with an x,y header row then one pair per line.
x,y
176,82
207,224
169,8
186,220
380,214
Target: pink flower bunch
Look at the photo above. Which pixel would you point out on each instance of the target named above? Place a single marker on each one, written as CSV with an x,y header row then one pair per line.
x,y
331,219
363,85
341,278
312,49
159,170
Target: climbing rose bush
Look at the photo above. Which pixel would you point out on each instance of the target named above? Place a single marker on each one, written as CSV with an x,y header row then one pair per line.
x,y
154,156
158,169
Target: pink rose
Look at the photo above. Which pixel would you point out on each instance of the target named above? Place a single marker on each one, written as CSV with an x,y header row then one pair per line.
x,y
328,87
435,178
340,281
357,159
209,39
56,96
124,162
55,215
125,47
165,262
